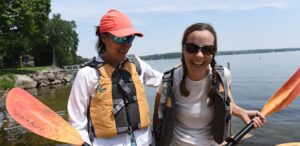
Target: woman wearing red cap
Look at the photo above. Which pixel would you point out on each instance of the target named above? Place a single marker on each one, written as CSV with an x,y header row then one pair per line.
x,y
107,103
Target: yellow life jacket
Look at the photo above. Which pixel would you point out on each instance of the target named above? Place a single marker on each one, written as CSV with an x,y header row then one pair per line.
x,y
120,103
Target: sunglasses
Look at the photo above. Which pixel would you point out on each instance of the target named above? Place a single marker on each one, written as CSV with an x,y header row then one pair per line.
x,y
206,50
122,40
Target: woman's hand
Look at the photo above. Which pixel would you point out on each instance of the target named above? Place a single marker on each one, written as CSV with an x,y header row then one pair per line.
x,y
252,115
248,115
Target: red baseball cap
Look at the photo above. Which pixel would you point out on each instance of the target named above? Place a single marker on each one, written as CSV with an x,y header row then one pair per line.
x,y
117,24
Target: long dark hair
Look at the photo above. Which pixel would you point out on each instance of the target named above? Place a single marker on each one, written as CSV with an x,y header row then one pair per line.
x,y
100,46
190,29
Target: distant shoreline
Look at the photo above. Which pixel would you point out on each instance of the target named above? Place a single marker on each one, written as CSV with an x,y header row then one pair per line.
x,y
178,54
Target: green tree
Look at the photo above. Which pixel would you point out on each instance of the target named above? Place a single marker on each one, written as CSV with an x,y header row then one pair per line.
x,y
22,28
63,41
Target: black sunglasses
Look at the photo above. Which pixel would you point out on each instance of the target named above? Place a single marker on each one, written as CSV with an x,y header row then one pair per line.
x,y
206,50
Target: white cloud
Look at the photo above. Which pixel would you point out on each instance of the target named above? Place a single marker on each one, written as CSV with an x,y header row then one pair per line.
x,y
80,8
195,5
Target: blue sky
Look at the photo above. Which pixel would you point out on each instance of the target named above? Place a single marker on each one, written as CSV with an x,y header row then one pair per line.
x,y
240,24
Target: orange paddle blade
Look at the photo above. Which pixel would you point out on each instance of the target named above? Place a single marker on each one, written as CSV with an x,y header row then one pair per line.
x,y
289,144
284,96
38,118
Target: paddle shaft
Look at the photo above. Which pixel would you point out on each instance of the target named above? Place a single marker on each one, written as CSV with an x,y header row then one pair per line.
x,y
233,141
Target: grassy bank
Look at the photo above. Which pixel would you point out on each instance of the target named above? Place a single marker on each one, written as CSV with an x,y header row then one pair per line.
x,y
8,76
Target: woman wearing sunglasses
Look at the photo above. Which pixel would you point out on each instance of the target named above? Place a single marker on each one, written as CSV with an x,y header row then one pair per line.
x,y
194,105
107,103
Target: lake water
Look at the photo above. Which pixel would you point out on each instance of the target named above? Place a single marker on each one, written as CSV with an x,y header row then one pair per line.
x,y
255,77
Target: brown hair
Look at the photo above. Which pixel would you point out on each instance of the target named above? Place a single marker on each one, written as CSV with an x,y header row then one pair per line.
x,y
190,29
100,46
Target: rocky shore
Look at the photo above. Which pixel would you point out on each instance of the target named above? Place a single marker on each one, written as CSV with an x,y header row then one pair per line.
x,y
49,76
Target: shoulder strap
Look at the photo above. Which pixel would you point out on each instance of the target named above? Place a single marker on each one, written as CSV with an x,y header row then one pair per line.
x,y
90,128
94,64
168,75
132,58
223,80
167,80
165,110
221,75
167,83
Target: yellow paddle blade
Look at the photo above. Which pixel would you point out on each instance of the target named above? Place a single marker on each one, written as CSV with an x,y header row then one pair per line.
x,y
284,96
289,144
38,118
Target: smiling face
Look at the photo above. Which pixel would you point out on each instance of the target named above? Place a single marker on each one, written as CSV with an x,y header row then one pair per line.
x,y
197,63
114,52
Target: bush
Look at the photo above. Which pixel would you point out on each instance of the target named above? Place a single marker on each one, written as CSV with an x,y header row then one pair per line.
x,y
7,81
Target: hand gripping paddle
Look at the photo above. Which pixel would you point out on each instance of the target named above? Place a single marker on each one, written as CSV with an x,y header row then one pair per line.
x,y
284,96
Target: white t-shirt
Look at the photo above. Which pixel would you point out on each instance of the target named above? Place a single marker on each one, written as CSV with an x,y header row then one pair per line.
x,y
193,115
84,87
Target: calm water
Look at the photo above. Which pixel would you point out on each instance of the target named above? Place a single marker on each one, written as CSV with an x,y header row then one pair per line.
x,y
255,77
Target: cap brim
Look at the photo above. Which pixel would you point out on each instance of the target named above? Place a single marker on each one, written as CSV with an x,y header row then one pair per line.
x,y
126,32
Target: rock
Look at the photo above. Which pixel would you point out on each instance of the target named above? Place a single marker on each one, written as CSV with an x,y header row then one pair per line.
x,y
25,82
55,82
50,76
43,84
42,81
60,76
68,78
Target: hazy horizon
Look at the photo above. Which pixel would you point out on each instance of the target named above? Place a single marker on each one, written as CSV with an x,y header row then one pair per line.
x,y
240,25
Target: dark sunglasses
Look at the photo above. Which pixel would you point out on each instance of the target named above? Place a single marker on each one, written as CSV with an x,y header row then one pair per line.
x,y
122,40
206,50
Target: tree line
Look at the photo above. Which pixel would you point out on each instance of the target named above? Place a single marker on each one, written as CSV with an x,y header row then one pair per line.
x,y
26,29
178,54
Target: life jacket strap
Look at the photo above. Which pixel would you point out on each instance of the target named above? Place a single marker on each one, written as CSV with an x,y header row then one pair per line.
x,y
124,87
122,129
120,104
118,107
132,58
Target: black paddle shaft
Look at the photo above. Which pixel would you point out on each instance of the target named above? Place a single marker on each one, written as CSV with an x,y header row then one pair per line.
x,y
233,141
